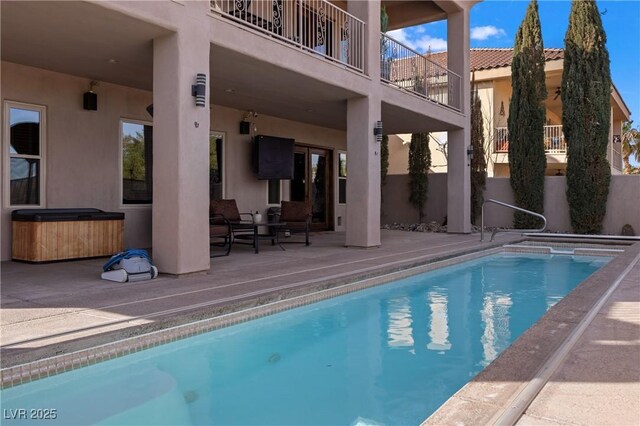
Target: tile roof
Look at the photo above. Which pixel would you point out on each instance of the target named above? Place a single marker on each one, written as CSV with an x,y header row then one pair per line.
x,y
485,58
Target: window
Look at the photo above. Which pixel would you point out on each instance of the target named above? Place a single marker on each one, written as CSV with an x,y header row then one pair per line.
x,y
216,158
137,162
273,192
342,178
25,125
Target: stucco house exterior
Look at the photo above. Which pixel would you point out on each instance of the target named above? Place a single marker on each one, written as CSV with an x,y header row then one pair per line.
x,y
103,92
491,69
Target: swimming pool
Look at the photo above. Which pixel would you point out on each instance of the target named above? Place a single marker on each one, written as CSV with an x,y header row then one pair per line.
x,y
387,355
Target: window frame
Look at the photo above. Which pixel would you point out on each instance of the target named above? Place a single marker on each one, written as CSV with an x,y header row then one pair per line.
x,y
6,146
267,193
223,170
339,178
120,164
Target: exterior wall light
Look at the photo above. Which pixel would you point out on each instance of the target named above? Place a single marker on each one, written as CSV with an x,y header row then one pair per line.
x,y
469,154
247,123
90,99
377,131
199,89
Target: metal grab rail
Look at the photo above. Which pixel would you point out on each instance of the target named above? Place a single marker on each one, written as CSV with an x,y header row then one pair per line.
x,y
495,231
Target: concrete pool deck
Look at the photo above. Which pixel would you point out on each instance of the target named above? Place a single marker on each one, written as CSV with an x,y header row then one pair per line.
x,y
60,308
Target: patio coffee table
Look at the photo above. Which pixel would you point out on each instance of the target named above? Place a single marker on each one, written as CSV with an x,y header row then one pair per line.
x,y
272,235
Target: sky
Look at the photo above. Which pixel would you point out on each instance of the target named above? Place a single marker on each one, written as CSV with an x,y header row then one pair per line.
x,y
494,23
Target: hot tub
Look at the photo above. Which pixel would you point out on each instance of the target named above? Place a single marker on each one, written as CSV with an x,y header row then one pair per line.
x,y
45,235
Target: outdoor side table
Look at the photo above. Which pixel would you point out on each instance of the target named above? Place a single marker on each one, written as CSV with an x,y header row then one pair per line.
x,y
272,235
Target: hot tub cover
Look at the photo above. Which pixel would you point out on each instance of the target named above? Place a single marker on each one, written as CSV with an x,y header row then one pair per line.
x,y
63,215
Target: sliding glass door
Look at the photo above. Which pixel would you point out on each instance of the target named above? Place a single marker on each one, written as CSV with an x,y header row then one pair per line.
x,y
311,182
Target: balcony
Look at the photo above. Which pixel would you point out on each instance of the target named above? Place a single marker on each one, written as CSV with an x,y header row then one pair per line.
x,y
409,70
315,26
554,142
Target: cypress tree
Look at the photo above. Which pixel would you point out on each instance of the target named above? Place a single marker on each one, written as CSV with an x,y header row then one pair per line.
x,y
478,163
586,91
419,163
527,159
384,159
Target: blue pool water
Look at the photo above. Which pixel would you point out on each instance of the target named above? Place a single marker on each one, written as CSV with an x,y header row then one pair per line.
x,y
387,355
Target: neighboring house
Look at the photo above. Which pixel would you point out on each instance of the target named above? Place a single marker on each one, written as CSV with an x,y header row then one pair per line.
x,y
310,70
491,69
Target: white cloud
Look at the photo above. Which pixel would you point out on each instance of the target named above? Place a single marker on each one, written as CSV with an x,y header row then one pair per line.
x,y
421,44
483,33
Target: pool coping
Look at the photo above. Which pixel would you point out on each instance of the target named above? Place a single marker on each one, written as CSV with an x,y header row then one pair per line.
x,y
23,373
492,391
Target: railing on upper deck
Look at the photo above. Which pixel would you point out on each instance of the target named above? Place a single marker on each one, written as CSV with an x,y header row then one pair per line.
x,y
407,69
315,26
554,142
616,156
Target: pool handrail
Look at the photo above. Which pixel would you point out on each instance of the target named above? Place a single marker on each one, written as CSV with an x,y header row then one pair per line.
x,y
495,231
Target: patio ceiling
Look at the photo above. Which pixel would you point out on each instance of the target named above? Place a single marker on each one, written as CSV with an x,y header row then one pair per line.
x,y
407,13
246,83
81,39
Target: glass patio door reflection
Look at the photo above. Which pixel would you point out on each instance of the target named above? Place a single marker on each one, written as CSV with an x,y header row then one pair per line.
x,y
312,183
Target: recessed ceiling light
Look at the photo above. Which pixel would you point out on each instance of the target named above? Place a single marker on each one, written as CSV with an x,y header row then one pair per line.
x,y
113,61
310,110
230,90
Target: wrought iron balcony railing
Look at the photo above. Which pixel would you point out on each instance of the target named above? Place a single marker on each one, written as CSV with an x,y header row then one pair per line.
x,y
315,26
407,69
554,142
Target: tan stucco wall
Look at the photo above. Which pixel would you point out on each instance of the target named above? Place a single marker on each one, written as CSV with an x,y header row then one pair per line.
x,y
622,205
395,196
398,155
83,149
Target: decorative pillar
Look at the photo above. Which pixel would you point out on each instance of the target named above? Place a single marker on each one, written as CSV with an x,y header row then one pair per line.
x,y
363,151
180,213
458,178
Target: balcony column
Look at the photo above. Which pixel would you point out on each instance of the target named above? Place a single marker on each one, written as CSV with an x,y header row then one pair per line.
x,y
458,178
363,171
180,223
363,152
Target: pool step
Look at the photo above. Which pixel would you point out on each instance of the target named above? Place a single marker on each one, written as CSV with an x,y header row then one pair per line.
x,y
566,251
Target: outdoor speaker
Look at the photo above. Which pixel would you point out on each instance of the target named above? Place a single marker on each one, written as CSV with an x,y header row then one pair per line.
x,y
245,127
90,101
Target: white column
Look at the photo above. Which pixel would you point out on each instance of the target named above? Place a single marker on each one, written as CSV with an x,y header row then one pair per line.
x,y
458,179
363,152
180,213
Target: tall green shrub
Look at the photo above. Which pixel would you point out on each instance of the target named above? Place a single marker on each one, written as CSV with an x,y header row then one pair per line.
x,y
527,159
586,91
419,163
384,159
478,163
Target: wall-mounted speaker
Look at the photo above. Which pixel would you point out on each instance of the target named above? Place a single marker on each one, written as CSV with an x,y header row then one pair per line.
x,y
245,127
90,101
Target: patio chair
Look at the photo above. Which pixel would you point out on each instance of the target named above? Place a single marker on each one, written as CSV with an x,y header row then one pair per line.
x,y
220,234
297,216
240,224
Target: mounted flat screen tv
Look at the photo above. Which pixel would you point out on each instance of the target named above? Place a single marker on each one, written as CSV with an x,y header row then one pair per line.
x,y
273,157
